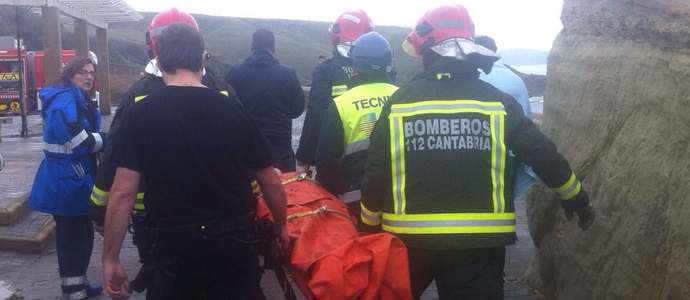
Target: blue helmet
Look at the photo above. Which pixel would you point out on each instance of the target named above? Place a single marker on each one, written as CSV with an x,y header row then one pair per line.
x,y
371,53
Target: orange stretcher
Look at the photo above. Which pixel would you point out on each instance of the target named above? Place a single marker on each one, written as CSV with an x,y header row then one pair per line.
x,y
328,259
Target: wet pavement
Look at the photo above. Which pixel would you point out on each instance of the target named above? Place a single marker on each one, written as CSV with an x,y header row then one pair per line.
x,y
35,276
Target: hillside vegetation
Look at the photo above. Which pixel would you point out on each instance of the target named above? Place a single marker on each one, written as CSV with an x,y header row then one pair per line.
x,y
298,43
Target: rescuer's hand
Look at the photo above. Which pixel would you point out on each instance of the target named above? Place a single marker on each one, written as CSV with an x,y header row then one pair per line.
x,y
302,167
585,216
115,280
284,239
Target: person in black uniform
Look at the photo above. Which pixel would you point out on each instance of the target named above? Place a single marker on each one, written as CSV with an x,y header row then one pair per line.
x,y
151,82
438,173
271,93
200,153
330,80
348,123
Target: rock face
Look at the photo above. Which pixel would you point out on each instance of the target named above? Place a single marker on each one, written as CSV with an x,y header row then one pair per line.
x,y
617,104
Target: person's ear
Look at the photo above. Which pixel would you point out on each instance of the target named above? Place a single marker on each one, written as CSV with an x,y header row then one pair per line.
x,y
273,49
251,47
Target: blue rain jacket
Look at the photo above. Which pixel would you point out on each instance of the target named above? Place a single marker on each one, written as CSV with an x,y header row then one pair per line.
x,y
510,83
71,140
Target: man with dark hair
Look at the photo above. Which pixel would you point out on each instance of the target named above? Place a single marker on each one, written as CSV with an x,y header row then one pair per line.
x,y
199,152
151,81
271,93
504,79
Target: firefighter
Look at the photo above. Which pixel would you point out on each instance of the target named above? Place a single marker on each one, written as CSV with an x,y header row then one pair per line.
x,y
330,79
200,223
151,82
438,171
344,138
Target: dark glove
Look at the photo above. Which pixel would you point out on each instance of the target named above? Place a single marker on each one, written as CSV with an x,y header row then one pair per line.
x,y
585,216
580,205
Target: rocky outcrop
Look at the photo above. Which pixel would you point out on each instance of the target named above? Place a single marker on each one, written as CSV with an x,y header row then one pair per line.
x,y
617,104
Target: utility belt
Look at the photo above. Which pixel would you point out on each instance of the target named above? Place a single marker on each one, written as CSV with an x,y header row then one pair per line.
x,y
200,230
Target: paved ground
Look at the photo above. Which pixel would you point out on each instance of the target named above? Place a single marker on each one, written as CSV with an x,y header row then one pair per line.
x,y
35,276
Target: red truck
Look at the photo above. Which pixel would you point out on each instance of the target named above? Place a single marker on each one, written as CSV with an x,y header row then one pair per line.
x,y
34,79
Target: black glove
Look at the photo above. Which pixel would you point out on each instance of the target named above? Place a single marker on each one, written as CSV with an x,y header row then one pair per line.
x,y
585,216
580,205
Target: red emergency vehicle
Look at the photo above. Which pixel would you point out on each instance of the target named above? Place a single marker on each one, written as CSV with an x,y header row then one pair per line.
x,y
34,79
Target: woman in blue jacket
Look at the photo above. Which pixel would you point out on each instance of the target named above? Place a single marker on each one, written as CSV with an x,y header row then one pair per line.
x,y
71,143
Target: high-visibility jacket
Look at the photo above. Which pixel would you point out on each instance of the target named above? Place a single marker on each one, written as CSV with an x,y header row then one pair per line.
x,y
106,171
438,174
344,138
330,79
71,141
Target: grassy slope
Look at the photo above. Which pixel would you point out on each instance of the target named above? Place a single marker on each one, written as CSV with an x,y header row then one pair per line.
x,y
298,43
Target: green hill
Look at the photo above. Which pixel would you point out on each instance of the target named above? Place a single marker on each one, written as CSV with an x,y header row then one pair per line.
x,y
298,43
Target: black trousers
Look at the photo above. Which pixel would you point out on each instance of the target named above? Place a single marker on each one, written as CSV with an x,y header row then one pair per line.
x,y
459,274
219,267
74,242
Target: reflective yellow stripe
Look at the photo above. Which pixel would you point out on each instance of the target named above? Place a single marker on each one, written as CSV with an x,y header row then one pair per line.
x,y
99,197
569,189
398,164
449,223
137,98
448,107
369,217
567,184
224,93
498,162
440,76
338,90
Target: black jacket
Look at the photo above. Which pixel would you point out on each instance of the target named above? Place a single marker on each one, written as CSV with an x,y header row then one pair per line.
x,y
450,159
273,96
332,73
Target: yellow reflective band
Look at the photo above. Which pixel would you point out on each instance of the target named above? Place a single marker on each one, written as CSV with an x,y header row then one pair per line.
x,y
449,223
574,192
447,107
567,184
224,93
338,90
569,189
369,217
99,197
449,216
448,230
398,165
440,76
138,98
498,158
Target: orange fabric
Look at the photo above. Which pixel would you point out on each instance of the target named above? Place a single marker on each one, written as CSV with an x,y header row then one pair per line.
x,y
328,259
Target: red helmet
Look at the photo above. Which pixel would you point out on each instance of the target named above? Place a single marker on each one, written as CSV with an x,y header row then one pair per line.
x,y
161,21
349,26
437,25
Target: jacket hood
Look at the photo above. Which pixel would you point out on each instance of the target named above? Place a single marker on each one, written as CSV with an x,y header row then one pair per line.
x,y
49,93
261,58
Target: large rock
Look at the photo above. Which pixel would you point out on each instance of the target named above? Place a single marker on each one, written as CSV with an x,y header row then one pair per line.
x,y
617,104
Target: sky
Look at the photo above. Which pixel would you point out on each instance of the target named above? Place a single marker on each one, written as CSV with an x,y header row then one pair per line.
x,y
525,24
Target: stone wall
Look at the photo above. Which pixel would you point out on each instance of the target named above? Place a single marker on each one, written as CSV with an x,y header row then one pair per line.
x,y
617,104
